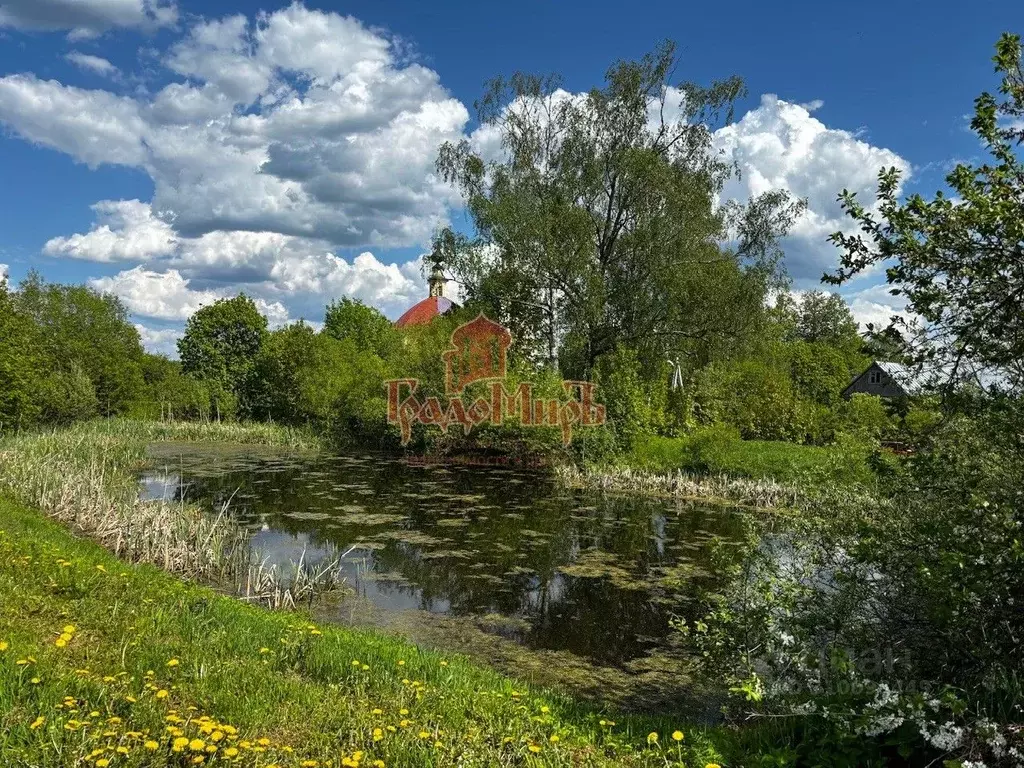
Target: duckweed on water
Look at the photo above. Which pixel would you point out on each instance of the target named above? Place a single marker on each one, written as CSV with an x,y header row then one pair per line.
x,y
106,664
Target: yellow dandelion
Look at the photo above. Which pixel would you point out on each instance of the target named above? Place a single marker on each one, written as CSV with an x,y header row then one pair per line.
x,y
264,742
401,662
554,738
378,764
652,737
173,662
101,568
197,745
230,752
424,735
151,745
264,650
37,722
162,694
376,711
4,645
61,642
102,763
69,629
122,750
534,748
179,744
378,734
712,765
677,735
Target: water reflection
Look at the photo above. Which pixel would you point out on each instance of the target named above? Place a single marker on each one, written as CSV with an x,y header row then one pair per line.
x,y
552,568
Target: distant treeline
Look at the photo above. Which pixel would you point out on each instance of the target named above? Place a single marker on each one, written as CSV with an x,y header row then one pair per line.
x,y
69,353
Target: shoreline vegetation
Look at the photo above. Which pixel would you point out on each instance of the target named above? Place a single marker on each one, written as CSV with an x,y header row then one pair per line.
x,y
111,662
677,484
86,477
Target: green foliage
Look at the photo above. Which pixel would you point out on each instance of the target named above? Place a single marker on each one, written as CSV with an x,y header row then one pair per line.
x,y
20,364
365,326
635,405
956,258
719,450
77,327
66,353
67,398
220,346
866,415
607,228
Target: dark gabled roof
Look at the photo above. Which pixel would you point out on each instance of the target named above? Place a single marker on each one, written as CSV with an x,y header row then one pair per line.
x,y
908,379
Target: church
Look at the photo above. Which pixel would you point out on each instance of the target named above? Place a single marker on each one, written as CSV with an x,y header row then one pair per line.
x,y
436,303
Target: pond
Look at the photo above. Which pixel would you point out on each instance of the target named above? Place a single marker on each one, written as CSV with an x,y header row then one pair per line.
x,y
507,550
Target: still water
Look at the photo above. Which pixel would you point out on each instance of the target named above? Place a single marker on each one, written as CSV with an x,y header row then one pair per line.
x,y
597,576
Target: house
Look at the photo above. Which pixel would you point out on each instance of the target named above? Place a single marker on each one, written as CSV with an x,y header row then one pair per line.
x,y
888,380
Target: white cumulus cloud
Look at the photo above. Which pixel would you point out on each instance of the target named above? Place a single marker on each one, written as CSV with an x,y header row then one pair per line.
x,y
303,122
96,64
86,18
126,230
781,145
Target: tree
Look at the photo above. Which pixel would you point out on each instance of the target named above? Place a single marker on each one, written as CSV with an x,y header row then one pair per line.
x,y
20,364
365,326
601,217
825,317
82,331
220,345
958,259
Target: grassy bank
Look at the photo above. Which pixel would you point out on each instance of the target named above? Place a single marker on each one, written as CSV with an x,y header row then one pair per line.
x,y
716,452
111,663
715,464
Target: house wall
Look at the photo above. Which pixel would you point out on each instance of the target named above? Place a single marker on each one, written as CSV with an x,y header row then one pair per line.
x,y
862,384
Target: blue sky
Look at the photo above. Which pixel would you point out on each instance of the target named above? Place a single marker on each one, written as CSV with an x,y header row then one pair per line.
x,y
134,130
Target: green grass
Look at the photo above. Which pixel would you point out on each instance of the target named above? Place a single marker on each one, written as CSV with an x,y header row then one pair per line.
x,y
716,452
319,693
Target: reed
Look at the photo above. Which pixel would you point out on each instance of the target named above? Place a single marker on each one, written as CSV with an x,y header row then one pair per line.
x,y
759,493
87,478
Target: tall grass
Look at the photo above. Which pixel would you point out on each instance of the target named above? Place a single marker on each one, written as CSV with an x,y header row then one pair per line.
x,y
86,477
762,493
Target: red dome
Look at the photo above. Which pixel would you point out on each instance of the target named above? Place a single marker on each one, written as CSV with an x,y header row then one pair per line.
x,y
425,311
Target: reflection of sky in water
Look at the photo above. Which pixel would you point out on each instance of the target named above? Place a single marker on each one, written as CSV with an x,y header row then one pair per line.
x,y
597,575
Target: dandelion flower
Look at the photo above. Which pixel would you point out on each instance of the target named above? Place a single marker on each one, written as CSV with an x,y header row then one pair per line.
x,y
60,642
69,629
378,734
545,710
102,763
179,744
534,748
197,745
652,737
151,745
173,663
162,694
424,735
712,765
37,722
230,752
554,738
677,735
4,645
